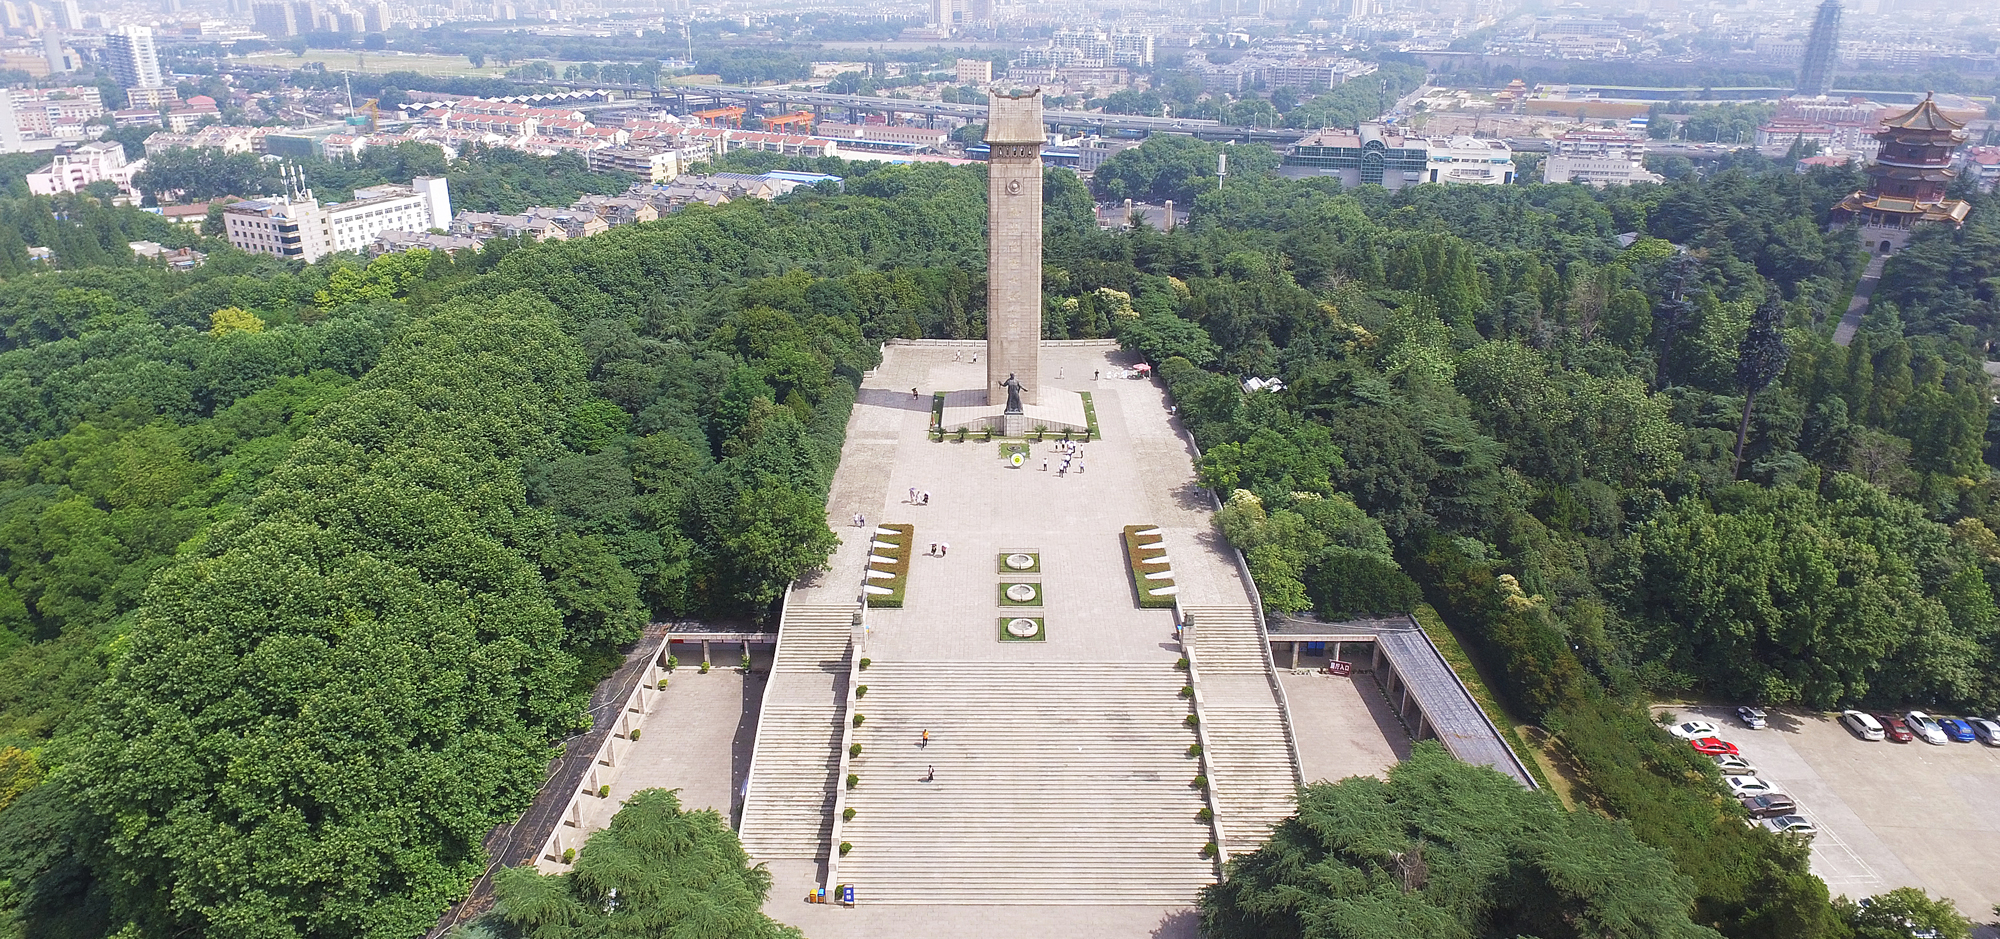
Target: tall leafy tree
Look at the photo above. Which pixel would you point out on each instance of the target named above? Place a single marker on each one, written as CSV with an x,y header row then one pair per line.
x,y
1759,360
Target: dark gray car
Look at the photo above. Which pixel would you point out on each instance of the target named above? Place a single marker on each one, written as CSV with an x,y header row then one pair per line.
x,y
1770,805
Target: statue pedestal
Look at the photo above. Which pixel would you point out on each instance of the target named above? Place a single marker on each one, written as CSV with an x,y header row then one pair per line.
x,y
1061,411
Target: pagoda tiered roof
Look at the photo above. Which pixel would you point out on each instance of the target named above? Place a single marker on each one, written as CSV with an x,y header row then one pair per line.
x,y
1925,116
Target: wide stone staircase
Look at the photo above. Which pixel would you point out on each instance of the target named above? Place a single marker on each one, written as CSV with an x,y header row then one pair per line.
x,y
788,805
1249,748
1064,783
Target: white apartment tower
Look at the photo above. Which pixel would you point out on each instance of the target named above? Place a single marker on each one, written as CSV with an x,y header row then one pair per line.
x,y
135,63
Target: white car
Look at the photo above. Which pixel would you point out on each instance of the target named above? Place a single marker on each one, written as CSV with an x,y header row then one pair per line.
x,y
1733,765
1747,785
1693,730
1987,731
1753,718
1926,728
1863,725
1792,825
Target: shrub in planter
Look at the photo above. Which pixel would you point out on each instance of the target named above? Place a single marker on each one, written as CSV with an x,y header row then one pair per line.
x,y
1208,850
854,749
1205,815
1182,664
1194,749
861,691
744,663
635,733
673,662
847,814
704,668
1192,721
604,791
859,718
1187,691
964,432
845,847
853,779
569,855
1200,782
864,664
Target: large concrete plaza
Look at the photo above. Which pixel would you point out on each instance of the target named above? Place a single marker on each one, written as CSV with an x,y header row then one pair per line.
x,y
1890,815
1142,472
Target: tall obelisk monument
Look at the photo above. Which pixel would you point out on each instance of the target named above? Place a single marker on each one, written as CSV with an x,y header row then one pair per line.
x,y
1014,244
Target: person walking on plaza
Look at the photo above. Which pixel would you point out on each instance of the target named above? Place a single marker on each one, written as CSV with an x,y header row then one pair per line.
x,y
930,774
944,548
925,740
913,495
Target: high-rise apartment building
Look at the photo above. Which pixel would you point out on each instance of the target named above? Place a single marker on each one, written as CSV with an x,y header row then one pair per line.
x,y
68,15
375,17
1822,49
274,19
134,62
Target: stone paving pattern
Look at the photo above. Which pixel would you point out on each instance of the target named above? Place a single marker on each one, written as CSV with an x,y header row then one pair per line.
x,y
1141,473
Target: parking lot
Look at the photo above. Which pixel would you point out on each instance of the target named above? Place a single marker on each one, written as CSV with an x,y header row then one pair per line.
x,y
1889,814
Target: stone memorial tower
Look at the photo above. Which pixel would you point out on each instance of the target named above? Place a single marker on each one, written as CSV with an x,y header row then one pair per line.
x,y
1014,243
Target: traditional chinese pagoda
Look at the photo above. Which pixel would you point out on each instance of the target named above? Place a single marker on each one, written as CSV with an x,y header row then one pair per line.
x,y
1909,179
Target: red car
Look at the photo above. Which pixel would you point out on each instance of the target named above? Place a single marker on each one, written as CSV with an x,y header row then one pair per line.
x,y
1895,728
1713,746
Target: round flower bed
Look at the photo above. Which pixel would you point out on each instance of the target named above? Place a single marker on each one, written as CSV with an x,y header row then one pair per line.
x,y
1020,562
1021,593
1022,627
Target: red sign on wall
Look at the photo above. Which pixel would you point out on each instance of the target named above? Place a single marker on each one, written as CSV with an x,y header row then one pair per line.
x,y
1342,669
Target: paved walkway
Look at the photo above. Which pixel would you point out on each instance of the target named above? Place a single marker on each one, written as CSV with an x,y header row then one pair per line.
x,y
1858,307
1326,709
1141,473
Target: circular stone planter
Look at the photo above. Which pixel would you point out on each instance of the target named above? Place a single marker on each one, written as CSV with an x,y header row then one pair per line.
x,y
1021,562
1020,593
1022,627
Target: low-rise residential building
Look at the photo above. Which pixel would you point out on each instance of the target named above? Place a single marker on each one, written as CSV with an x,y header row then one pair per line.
x,y
1378,154
974,71
890,133
1982,166
102,161
43,112
398,241
219,137
654,164
300,227
1599,158
180,259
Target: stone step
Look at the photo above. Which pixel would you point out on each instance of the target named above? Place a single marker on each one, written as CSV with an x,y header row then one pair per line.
x,y
788,804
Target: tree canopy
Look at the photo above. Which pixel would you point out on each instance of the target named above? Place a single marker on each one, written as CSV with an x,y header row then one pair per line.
x,y
1446,850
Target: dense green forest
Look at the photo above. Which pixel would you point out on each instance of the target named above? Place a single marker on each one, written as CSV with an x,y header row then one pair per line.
x,y
308,568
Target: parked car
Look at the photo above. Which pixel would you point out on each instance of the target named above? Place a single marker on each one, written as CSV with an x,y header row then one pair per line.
x,y
1895,728
1956,729
1926,728
1693,729
1792,825
1734,765
1862,725
1747,785
1753,718
1713,746
1770,805
1988,731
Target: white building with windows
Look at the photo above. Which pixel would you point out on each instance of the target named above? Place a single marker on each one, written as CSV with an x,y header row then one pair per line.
x,y
1469,161
1599,158
99,161
300,227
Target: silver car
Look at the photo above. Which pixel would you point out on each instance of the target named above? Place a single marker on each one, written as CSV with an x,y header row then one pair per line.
x,y
1792,825
1926,728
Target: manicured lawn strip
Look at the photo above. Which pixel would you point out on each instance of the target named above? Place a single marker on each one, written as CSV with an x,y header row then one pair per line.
x,y
905,542
1467,668
1009,601
937,412
1140,585
1090,417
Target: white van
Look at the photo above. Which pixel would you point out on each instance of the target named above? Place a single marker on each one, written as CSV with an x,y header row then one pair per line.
x,y
1864,726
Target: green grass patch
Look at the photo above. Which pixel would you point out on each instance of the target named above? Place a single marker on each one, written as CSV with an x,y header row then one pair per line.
x,y
1090,416
1467,668
1010,447
899,565
1006,600
1000,563
1142,587
1041,633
